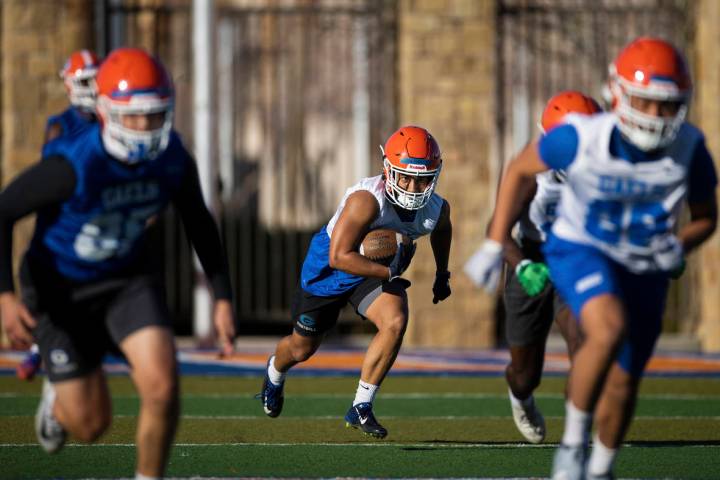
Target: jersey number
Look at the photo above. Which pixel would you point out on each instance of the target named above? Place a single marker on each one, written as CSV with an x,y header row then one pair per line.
x,y
607,219
111,234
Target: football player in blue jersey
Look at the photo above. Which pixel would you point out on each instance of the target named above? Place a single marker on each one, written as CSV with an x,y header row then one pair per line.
x,y
616,243
89,285
78,75
334,273
531,301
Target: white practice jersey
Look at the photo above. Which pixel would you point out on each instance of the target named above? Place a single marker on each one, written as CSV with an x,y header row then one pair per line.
x,y
623,208
540,215
425,218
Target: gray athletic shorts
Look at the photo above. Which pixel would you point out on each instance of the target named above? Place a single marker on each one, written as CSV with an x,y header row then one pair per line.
x,y
528,319
314,315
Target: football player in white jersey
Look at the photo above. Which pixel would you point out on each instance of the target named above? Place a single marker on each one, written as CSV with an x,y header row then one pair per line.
x,y
402,199
531,302
615,243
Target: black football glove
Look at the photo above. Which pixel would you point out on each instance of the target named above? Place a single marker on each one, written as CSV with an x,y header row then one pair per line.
x,y
441,287
401,260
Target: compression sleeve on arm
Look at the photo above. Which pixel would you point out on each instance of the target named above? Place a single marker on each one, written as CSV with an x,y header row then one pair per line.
x,y
203,233
47,183
702,179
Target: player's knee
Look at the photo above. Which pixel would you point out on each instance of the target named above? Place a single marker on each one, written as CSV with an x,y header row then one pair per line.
x,y
395,324
163,396
610,333
301,352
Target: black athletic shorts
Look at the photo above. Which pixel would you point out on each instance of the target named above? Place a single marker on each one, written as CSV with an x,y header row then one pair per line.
x,y
528,319
314,315
78,323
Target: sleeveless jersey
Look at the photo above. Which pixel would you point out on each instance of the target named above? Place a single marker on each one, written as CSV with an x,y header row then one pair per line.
x,y
71,122
318,278
540,215
97,232
621,207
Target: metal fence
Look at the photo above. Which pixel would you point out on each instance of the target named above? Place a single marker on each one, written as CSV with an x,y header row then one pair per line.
x,y
304,96
547,46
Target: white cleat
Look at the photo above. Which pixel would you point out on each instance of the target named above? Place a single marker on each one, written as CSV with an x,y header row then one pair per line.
x,y
569,463
529,421
50,433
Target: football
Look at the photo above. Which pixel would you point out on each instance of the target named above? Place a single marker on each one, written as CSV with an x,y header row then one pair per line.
x,y
381,245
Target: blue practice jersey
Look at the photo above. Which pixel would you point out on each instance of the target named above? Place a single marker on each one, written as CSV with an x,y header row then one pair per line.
x,y
71,122
97,232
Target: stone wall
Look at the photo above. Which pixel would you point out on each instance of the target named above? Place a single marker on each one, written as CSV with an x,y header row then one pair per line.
x,y
36,38
446,74
706,111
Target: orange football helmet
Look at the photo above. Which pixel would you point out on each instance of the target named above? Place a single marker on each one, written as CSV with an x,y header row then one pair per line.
x,y
569,101
131,82
78,74
410,151
654,69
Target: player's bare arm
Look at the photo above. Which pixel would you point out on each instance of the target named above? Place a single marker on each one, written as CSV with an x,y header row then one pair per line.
x,y
702,224
511,251
359,212
519,177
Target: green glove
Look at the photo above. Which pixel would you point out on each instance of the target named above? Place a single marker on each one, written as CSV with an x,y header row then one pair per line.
x,y
533,276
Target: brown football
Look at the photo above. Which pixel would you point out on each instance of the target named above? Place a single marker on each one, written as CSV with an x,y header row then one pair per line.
x,y
380,245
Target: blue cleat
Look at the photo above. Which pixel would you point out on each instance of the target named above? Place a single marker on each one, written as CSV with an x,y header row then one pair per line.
x,y
272,397
361,417
29,366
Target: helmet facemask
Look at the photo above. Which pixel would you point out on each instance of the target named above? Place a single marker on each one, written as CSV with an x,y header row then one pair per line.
x,y
647,132
403,198
129,145
81,88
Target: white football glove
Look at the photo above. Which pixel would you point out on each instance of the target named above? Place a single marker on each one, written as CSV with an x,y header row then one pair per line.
x,y
485,265
667,252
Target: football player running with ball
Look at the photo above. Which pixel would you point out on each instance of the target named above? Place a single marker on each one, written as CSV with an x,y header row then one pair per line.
x,y
89,285
531,301
402,199
614,246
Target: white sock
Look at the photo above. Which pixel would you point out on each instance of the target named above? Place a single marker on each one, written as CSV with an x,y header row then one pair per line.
x,y
516,402
277,378
601,458
365,393
577,426
140,476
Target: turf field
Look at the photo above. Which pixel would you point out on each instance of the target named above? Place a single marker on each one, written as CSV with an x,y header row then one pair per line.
x,y
439,427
